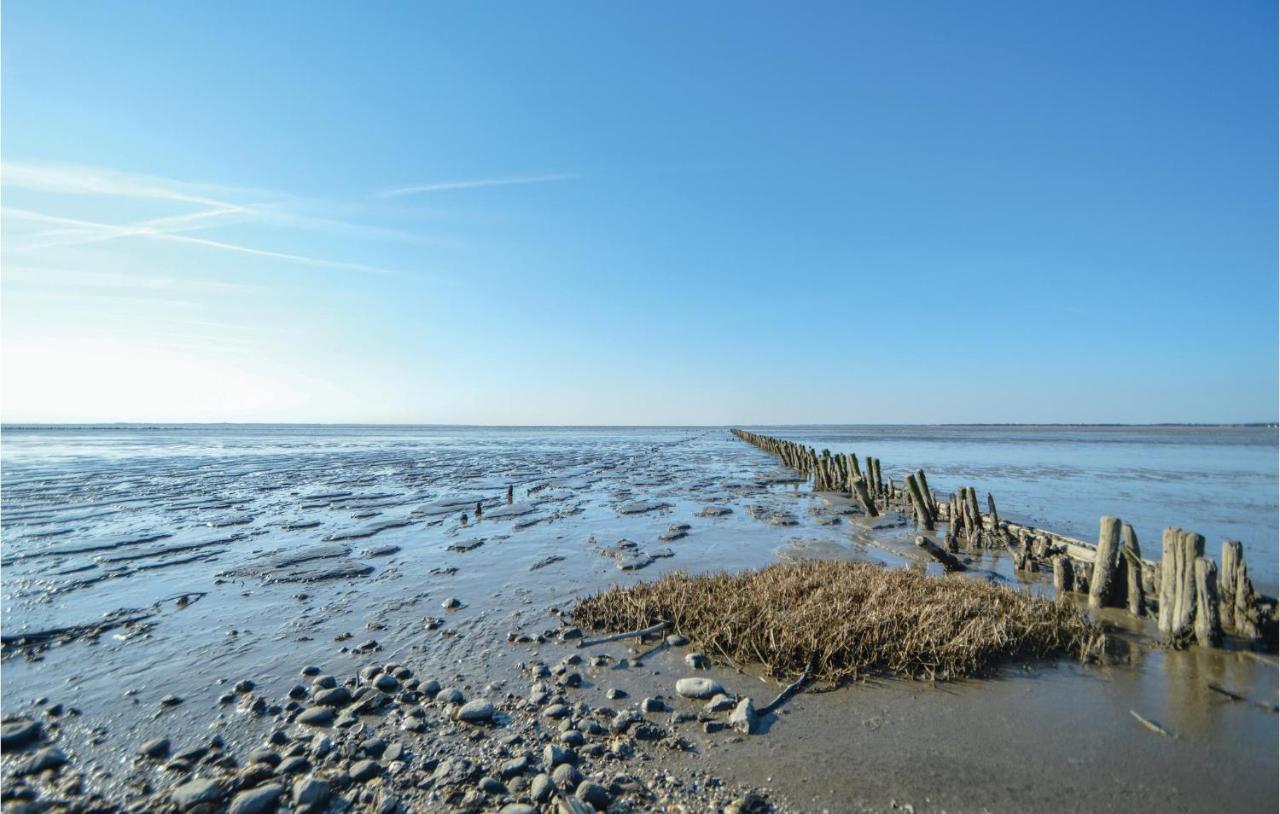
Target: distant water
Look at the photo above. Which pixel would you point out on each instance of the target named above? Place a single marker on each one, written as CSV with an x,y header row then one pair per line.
x,y
1218,481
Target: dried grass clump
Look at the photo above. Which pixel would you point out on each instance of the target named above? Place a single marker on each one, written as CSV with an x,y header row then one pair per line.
x,y
849,619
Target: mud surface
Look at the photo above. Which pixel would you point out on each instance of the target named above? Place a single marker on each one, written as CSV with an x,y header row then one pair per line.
x,y
145,565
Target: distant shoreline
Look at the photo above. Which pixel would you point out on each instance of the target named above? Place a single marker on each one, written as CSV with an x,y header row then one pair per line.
x,y
130,425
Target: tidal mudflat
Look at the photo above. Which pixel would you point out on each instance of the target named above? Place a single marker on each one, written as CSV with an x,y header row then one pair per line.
x,y
373,618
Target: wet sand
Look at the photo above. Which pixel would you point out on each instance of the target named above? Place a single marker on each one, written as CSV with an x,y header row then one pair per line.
x,y
1052,738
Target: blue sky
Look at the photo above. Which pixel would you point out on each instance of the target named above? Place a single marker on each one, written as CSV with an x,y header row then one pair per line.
x,y
639,213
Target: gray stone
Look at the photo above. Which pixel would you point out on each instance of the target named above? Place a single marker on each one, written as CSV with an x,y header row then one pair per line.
x,y
541,789
310,791
477,711
451,695
154,748
50,757
316,716
256,801
719,703
566,776
334,697
19,733
593,794
195,792
698,687
492,785
293,765
652,705
697,661
743,717
363,770
518,808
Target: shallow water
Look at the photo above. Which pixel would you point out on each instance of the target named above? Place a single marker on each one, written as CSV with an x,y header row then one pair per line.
x,y
252,551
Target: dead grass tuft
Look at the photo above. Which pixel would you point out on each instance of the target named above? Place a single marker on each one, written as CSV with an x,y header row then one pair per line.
x,y
852,619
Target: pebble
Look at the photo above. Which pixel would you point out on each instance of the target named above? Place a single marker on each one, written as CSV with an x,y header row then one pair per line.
x,y
316,716
513,767
698,687
244,686
518,808
50,757
170,700
477,711
452,603
652,705
452,695
697,661
293,765
553,756
363,770
541,788
19,733
194,792
743,717
613,693
155,748
719,703
264,755
676,640
255,801
310,791
491,785
593,794
386,683
335,697
565,776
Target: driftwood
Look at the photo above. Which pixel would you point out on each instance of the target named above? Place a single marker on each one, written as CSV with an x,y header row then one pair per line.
x,y
1150,724
630,634
787,691
949,562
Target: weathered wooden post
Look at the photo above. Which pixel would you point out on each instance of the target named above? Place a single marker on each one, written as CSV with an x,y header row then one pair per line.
x,y
991,510
1237,592
868,505
1169,571
511,493
923,515
1131,565
1207,625
479,510
1192,548
1102,583
1063,580
929,502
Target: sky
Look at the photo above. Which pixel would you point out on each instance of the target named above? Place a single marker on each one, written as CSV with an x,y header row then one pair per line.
x,y
638,213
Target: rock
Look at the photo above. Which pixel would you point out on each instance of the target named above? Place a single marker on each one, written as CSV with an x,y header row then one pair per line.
x,y
363,770
513,767
565,776
155,748
750,803
452,603
298,692
518,808
170,700
491,785
293,765
698,687
194,792
697,661
477,711
593,794
316,716
19,733
541,789
325,683
572,805
244,686
676,640
613,693
652,705
452,695
572,737
553,756
719,703
311,670
310,791
555,711
335,697
255,801
264,755
386,683
743,717
50,757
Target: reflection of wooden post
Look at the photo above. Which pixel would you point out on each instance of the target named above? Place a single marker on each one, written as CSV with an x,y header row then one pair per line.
x,y
1102,583
1207,625
1131,566
923,515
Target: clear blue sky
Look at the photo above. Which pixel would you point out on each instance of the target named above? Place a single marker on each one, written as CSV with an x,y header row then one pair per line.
x,y
639,213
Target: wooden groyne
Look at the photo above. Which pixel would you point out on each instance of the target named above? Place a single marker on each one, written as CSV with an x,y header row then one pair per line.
x,y
1192,598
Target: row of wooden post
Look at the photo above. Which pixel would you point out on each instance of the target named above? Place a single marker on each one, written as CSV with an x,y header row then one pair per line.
x,y
1191,596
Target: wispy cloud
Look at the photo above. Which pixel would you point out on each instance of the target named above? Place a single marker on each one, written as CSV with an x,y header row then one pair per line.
x,y
75,180
474,183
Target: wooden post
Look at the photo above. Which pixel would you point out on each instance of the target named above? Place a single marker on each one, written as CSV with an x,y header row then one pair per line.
x,y
1063,580
511,493
1131,565
1237,592
868,505
1172,542
1191,549
1102,583
929,502
923,516
991,510
1207,625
